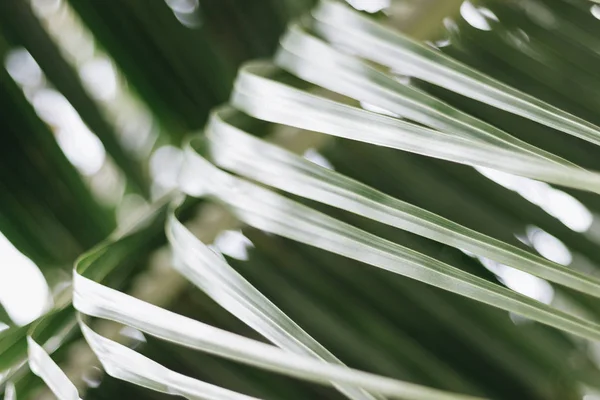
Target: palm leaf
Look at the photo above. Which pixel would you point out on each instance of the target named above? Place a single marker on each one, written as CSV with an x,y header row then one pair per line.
x,y
310,230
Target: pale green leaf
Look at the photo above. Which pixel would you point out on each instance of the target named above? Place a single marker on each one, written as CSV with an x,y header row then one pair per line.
x,y
203,267
233,149
277,214
317,62
347,28
121,362
259,94
94,299
43,366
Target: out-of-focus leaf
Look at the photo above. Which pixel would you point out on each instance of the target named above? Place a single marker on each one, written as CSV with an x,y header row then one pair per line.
x,y
18,18
4,317
184,66
46,210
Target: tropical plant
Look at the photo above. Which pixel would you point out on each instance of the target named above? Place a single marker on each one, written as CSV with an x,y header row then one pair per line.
x,y
398,203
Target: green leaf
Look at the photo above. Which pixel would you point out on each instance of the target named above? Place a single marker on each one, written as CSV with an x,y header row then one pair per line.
x,y
94,299
42,365
266,210
317,62
231,148
259,94
123,363
4,317
344,27
213,275
27,30
57,325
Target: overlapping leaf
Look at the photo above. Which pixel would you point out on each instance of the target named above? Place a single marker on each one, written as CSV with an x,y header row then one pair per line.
x,y
94,299
266,93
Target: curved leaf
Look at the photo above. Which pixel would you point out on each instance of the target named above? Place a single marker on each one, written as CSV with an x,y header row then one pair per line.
x,y
120,362
94,299
43,366
222,283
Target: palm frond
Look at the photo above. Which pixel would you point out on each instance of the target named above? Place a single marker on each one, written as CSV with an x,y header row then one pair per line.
x,y
404,133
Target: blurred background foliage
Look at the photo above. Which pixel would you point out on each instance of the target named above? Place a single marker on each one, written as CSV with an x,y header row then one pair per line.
x,y
97,96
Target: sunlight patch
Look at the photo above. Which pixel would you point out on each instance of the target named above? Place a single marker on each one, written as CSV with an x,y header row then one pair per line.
x,y
520,281
474,17
379,110
24,292
100,78
83,149
22,67
527,284
557,203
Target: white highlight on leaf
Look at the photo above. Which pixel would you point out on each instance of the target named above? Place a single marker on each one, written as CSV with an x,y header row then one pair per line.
x,y
591,394
43,366
45,7
93,377
186,12
123,363
10,393
540,13
133,333
183,6
488,13
24,292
